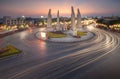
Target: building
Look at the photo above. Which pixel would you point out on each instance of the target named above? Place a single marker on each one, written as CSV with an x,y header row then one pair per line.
x,y
8,20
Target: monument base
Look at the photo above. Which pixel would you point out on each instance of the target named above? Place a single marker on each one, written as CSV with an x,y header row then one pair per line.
x,y
81,29
49,29
72,33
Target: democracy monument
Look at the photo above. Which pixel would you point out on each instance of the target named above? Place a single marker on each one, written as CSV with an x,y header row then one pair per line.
x,y
60,33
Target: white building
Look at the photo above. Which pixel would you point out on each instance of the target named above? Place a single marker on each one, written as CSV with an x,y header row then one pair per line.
x,y
8,20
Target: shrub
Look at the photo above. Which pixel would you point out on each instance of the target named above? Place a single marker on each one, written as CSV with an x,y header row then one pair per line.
x,y
81,33
55,35
8,50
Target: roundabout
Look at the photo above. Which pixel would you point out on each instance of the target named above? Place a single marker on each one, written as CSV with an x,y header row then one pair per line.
x,y
65,37
62,33
47,60
60,47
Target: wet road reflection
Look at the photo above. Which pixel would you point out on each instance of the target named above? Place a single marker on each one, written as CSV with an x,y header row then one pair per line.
x,y
59,60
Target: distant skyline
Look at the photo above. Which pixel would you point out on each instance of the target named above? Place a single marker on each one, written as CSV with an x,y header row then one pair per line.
x,y
37,8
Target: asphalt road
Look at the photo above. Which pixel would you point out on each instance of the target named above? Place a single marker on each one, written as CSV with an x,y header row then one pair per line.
x,y
97,58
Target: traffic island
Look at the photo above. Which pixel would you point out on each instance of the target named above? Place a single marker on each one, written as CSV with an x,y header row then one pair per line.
x,y
57,36
8,51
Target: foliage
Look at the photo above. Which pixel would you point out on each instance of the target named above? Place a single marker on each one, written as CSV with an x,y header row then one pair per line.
x,y
79,33
8,50
108,22
114,22
100,21
55,35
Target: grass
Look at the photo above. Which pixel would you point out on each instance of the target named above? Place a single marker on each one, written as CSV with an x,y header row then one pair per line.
x,y
8,50
81,33
55,35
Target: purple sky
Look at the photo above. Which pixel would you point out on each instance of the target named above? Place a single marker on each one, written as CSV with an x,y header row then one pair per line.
x,y
41,7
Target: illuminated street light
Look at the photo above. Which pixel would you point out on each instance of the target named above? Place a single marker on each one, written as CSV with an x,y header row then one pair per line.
x,y
23,16
42,16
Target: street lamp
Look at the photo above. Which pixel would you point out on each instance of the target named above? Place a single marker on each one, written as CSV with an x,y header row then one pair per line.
x,y
42,16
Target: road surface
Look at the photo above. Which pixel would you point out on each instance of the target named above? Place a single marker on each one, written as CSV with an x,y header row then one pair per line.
x,y
97,58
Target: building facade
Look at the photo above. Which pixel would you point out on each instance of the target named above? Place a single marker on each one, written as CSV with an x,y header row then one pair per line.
x,y
8,20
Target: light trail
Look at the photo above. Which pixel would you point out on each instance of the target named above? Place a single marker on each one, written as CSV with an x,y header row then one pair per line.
x,y
71,62
63,61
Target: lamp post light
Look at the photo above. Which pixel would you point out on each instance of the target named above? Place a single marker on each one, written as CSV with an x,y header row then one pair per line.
x,y
42,17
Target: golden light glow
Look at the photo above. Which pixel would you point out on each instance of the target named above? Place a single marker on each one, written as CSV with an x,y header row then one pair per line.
x,y
90,27
43,34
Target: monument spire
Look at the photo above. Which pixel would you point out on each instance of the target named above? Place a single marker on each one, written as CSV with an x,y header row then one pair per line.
x,y
73,25
78,18
49,19
58,21
72,19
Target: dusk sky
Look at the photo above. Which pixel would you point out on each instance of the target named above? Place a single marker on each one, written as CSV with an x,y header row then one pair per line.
x,y
41,7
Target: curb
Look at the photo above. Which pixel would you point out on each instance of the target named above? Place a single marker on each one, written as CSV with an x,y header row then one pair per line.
x,y
48,40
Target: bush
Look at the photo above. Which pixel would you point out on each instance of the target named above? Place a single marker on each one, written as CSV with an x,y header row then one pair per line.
x,y
9,50
81,33
55,35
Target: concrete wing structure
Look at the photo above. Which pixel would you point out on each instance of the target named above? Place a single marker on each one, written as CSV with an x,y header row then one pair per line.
x,y
78,19
49,19
73,30
73,25
58,22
